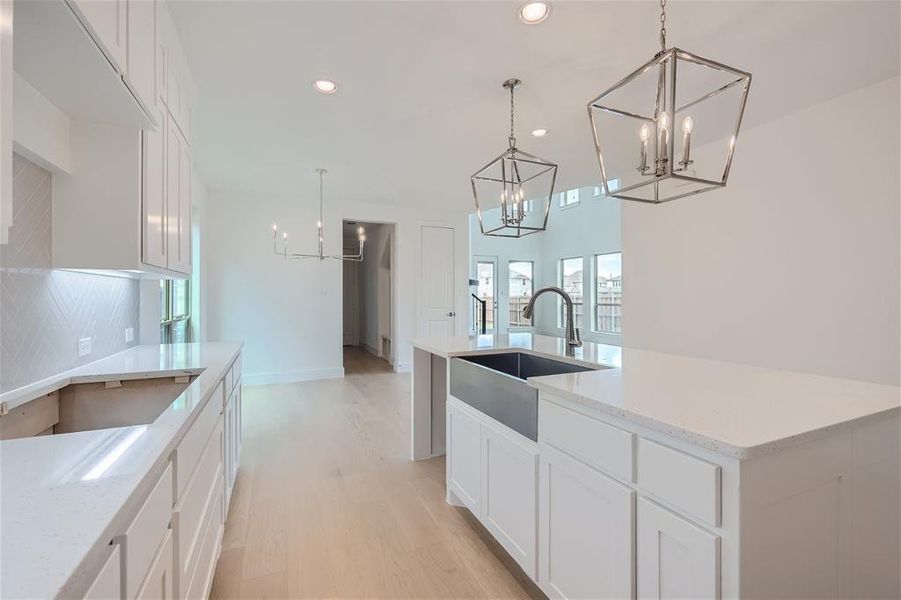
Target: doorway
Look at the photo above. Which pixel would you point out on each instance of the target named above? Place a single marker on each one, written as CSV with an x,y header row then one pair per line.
x,y
368,296
485,270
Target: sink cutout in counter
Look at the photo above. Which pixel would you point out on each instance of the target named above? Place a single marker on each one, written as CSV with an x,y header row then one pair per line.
x,y
92,406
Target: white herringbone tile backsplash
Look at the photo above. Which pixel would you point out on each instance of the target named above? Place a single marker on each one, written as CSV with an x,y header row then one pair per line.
x,y
44,312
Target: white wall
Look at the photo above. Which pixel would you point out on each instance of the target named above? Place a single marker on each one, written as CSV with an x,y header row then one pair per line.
x,y
591,227
289,312
795,265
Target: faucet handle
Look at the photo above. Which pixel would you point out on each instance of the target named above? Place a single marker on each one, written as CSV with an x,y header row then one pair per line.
x,y
577,338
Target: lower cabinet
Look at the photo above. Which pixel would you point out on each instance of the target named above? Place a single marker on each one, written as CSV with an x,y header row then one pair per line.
x,y
587,529
464,457
108,583
676,559
160,581
493,471
233,439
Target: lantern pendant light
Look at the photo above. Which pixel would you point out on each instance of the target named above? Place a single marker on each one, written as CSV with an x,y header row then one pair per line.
x,y
633,125
513,192
283,251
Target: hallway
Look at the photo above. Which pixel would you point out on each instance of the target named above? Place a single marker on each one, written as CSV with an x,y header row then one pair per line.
x,y
327,503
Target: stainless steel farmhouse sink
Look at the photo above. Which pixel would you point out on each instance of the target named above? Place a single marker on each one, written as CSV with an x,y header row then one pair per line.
x,y
495,384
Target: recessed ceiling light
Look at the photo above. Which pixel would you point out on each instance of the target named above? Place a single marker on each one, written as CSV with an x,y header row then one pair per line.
x,y
539,132
325,86
534,11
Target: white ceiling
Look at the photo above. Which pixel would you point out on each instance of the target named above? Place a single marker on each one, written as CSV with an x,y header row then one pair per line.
x,y
420,106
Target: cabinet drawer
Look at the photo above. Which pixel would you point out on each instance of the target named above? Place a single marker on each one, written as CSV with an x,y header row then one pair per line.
x,y
202,578
192,445
680,479
600,445
191,509
158,583
108,583
143,537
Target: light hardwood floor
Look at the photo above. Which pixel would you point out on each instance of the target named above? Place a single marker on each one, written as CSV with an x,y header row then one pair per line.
x,y
327,503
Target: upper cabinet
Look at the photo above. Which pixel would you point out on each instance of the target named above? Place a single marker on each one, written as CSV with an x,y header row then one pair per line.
x,y
124,203
140,74
107,22
6,118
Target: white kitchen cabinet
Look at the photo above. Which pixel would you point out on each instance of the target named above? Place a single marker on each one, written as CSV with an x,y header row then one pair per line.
x,y
464,457
108,583
159,583
6,118
178,199
509,493
587,529
140,75
676,558
126,205
106,21
153,197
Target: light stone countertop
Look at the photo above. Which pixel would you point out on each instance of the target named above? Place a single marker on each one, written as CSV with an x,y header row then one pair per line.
x,y
737,410
63,497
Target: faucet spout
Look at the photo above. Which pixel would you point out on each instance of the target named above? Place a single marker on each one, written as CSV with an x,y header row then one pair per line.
x,y
573,339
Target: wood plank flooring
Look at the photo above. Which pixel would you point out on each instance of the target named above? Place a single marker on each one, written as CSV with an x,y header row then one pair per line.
x,y
327,503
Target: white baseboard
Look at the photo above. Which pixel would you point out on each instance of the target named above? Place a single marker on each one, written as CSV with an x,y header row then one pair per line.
x,y
403,367
371,349
292,376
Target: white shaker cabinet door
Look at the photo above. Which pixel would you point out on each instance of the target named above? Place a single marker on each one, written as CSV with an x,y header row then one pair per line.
x,y
153,197
586,531
509,490
108,583
106,20
141,75
464,458
676,558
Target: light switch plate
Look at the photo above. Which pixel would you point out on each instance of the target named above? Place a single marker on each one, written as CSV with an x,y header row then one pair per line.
x,y
129,334
84,346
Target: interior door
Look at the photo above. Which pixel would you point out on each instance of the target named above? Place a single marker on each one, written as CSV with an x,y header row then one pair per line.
x,y
437,313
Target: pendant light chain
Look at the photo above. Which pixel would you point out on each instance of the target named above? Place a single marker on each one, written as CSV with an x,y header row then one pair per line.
x,y
663,24
512,137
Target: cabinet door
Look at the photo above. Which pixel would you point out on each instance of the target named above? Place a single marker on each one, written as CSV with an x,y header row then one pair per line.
x,y
108,583
107,22
587,531
141,73
178,200
153,197
6,119
239,425
464,460
183,259
509,490
159,583
676,558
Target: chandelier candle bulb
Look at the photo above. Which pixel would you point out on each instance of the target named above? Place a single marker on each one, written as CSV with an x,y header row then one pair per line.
x,y
643,160
662,139
687,125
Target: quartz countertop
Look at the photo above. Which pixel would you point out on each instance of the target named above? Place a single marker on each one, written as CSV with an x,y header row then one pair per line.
x,y
737,410
63,497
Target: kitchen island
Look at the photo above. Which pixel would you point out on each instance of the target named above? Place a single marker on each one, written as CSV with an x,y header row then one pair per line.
x,y
656,475
88,513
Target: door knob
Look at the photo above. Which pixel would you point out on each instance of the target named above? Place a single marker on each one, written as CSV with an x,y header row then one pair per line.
x,y
452,314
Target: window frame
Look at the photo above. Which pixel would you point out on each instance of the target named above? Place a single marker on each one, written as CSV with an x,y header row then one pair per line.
x,y
168,320
565,203
561,320
595,327
510,324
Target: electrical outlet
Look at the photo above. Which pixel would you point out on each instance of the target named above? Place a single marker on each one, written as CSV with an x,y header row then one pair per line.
x,y
84,346
129,334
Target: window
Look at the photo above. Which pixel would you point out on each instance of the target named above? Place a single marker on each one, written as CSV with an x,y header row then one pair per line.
x,y
487,286
175,309
608,295
569,198
569,277
597,191
521,288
